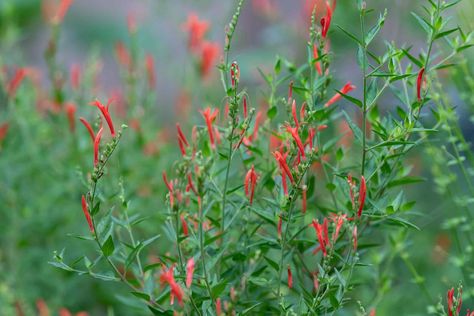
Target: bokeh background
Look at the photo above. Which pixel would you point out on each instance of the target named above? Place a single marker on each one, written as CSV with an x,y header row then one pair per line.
x,y
39,183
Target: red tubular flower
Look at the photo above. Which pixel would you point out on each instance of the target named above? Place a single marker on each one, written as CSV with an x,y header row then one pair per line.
x,y
88,127
123,55
348,87
354,238
62,10
3,131
351,190
294,133
189,272
75,76
319,233
315,281
279,226
281,159
326,21
250,180
290,91
169,185
372,312
209,117
459,303
450,301
339,221
209,53
295,117
167,276
150,70
96,146
218,307
419,81
305,188
16,81
182,141
234,74
185,226
309,140
303,111
196,30
106,114
362,193
245,107
317,64
191,184
290,277
85,209
71,112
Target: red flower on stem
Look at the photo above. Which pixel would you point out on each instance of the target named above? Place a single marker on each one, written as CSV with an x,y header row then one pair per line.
x,y
3,131
348,87
88,127
106,114
75,76
290,91
326,21
218,307
15,81
321,233
209,53
450,301
245,107
354,238
169,186
123,55
150,70
71,112
249,183
167,276
419,81
189,272
196,30
294,133
285,170
182,141
97,145
303,111
185,226
317,64
85,209
295,117
210,117
362,194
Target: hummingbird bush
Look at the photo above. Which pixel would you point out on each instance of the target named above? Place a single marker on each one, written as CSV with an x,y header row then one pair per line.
x,y
297,200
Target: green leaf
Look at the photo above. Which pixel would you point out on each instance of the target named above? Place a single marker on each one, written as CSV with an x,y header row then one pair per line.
x,y
217,289
272,263
141,295
390,143
445,33
352,36
413,59
108,247
405,180
375,29
351,99
272,112
423,23
355,129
